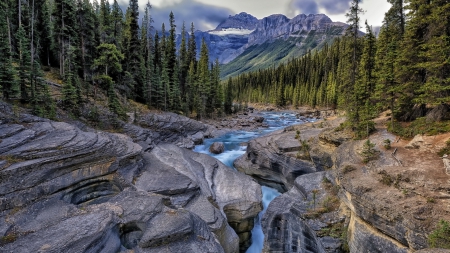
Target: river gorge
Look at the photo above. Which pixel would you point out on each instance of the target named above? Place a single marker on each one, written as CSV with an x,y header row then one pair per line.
x,y
66,187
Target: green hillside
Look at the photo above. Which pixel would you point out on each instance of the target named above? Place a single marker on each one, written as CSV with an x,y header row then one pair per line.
x,y
273,53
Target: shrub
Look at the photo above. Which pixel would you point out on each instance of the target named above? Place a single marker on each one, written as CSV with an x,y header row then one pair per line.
x,y
368,153
387,144
440,238
445,150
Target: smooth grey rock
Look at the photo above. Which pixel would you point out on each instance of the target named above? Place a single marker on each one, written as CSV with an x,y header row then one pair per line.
x,y
217,148
67,190
198,138
273,159
284,224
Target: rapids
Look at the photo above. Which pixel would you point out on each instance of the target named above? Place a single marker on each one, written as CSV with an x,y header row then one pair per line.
x,y
234,148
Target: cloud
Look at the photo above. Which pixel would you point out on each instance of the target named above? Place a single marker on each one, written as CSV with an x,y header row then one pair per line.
x,y
332,7
204,16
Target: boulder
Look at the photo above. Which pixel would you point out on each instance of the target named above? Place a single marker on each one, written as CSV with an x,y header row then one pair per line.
x,y
217,148
198,138
258,119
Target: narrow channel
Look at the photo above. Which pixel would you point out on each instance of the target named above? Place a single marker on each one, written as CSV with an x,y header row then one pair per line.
x,y
234,148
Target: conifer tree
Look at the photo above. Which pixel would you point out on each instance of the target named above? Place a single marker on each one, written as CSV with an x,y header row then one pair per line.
x,y
147,52
117,25
353,108
132,49
204,81
24,63
8,74
366,83
228,105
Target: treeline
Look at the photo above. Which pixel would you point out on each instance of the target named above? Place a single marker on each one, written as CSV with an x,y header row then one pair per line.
x,y
97,47
405,69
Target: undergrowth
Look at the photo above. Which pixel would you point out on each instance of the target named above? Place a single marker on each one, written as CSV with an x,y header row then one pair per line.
x,y
445,150
440,238
419,126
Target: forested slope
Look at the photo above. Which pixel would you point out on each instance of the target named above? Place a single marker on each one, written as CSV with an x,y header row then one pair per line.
x,y
97,47
406,69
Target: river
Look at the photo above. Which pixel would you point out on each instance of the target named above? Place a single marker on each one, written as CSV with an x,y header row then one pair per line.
x,y
233,149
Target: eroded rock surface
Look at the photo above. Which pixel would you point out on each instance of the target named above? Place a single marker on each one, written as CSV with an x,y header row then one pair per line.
x,y
395,200
67,190
276,160
286,224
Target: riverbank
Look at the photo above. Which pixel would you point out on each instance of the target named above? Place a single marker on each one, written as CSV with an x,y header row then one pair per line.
x,y
335,201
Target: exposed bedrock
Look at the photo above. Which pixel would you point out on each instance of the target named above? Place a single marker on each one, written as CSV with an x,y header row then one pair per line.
x,y
286,225
394,202
277,159
66,190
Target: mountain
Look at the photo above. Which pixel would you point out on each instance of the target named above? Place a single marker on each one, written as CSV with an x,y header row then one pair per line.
x,y
276,39
243,43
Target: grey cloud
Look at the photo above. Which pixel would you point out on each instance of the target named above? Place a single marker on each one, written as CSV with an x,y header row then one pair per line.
x,y
332,7
190,11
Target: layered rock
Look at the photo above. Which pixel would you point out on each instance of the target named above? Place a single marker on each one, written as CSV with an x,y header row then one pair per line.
x,y
286,224
279,26
274,159
67,190
394,202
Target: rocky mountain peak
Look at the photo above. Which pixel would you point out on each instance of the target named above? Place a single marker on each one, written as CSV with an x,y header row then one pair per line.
x,y
240,21
279,26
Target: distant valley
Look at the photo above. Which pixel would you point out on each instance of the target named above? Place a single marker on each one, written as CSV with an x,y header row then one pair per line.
x,y
244,43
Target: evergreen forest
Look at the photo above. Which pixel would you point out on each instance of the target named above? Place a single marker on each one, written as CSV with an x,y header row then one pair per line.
x,y
96,49
405,68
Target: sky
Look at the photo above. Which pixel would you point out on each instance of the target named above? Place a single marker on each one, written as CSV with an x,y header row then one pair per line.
x,y
207,14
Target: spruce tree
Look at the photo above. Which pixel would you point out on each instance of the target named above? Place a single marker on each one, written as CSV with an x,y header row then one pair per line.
x,y
9,84
24,63
204,81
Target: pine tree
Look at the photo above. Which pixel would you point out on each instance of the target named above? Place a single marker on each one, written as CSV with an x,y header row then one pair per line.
x,y
228,105
366,83
171,60
24,63
8,73
184,68
117,25
204,81
435,55
353,106
65,30
132,49
147,52
192,46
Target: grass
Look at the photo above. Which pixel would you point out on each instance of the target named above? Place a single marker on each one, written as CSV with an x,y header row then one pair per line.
x,y
9,238
334,230
10,159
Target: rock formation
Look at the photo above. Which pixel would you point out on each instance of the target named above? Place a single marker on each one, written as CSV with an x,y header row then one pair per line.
x,y
273,159
66,190
390,204
286,224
